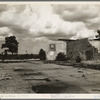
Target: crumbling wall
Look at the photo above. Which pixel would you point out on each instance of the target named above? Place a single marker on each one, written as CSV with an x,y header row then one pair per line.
x,y
81,48
60,46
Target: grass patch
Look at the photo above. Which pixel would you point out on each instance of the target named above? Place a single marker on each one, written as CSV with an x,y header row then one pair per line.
x,y
93,64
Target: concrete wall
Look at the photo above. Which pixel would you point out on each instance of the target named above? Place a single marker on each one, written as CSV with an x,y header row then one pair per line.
x,y
80,48
60,47
96,44
83,47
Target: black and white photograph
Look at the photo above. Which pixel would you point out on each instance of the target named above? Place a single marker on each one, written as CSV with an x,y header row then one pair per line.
x,y
49,48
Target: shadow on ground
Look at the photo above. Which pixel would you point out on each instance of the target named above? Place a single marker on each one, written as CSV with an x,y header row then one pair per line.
x,y
57,87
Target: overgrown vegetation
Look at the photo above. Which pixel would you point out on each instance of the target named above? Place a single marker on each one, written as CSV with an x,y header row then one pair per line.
x,y
20,56
78,59
93,64
61,57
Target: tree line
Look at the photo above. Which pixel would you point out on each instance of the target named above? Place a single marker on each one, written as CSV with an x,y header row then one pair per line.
x,y
11,45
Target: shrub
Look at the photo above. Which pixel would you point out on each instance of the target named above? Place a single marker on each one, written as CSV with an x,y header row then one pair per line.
x,y
78,59
42,55
61,57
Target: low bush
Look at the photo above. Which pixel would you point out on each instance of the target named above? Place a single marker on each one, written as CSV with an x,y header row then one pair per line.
x,y
61,57
78,59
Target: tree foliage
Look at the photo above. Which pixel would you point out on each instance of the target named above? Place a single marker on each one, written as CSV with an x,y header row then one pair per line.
x,y
98,31
42,54
98,36
61,57
11,44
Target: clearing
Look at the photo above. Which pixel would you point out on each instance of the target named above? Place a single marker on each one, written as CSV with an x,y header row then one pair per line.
x,y
37,77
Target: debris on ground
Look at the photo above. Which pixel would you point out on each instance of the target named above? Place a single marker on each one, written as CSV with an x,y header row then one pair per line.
x,y
46,79
22,69
6,77
80,72
83,75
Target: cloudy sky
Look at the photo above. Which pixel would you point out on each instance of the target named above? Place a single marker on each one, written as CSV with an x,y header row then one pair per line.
x,y
37,25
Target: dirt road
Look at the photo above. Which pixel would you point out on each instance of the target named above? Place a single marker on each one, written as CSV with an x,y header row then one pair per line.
x,y
37,77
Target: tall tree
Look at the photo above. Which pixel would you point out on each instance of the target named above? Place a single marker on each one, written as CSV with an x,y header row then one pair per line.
x,y
98,36
11,45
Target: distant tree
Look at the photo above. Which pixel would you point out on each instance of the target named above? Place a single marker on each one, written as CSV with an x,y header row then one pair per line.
x,y
11,45
98,31
42,54
61,57
98,36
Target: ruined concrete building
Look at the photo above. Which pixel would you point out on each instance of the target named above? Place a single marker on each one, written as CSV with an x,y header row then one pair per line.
x,y
54,48
80,47
73,48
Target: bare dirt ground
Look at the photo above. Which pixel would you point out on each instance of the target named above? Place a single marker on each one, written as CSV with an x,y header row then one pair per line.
x,y
37,77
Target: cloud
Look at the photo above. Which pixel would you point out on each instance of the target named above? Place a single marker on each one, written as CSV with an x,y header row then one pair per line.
x,y
33,45
5,31
94,23
88,14
77,12
44,23
3,7
47,20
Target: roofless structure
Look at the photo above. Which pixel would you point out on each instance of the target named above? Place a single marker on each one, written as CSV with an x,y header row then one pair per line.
x,y
79,47
66,40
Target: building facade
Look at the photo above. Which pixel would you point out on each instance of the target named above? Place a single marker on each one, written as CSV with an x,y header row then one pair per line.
x,y
54,48
84,48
